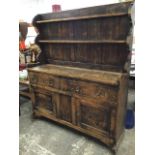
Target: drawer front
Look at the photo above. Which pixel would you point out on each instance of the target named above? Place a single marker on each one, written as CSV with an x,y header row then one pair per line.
x,y
90,89
76,86
43,79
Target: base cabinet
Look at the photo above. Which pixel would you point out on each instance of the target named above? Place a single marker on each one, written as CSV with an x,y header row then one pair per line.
x,y
85,115
95,108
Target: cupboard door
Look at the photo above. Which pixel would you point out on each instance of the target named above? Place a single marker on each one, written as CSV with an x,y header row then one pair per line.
x,y
95,117
45,103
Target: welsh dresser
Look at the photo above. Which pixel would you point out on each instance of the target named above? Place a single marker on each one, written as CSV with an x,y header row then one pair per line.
x,y
82,81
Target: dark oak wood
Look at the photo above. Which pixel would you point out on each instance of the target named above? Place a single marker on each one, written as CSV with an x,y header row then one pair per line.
x,y
85,98
82,82
83,41
71,72
82,17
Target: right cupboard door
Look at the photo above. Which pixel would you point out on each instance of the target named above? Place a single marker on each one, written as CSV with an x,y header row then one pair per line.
x,y
97,118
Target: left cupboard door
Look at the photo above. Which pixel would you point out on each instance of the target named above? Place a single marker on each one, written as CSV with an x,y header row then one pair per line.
x,y
45,103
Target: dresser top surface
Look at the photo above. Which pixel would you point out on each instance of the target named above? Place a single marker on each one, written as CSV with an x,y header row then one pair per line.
x,y
79,73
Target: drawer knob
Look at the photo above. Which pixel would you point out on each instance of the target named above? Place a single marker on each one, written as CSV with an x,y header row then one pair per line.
x,y
77,90
72,89
51,82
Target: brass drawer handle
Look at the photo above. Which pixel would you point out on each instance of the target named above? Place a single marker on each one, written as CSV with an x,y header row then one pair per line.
x,y
51,82
72,89
77,89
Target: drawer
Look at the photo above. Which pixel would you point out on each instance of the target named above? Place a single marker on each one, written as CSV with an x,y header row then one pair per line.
x,y
44,80
90,89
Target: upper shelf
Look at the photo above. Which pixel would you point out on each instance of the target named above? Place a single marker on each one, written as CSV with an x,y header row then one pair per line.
x,y
84,41
81,17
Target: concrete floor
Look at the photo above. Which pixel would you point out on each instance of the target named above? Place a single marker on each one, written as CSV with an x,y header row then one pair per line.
x,y
43,137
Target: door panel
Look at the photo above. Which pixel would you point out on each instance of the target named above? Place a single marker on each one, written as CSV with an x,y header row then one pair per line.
x,y
45,102
95,117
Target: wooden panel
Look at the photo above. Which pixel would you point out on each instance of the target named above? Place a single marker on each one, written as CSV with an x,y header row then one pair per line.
x,y
44,80
89,54
105,77
65,108
91,66
95,117
122,103
83,41
81,18
45,102
94,29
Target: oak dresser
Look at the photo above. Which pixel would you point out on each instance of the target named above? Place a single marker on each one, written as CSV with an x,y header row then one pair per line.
x,y
82,81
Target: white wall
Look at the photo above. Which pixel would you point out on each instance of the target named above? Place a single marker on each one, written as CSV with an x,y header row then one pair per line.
x,y
29,8
70,4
